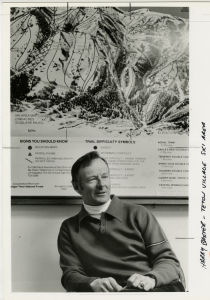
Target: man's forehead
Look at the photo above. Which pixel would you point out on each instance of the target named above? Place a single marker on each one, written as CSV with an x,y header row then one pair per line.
x,y
96,165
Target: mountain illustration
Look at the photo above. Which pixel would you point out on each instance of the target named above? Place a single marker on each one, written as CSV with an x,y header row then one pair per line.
x,y
106,63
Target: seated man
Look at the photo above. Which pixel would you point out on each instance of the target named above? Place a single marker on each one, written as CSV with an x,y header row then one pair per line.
x,y
111,246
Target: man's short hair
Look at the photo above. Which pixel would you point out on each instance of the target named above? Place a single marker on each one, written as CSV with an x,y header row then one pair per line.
x,y
84,161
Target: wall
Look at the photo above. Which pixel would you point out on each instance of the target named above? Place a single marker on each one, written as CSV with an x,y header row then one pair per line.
x,y
35,259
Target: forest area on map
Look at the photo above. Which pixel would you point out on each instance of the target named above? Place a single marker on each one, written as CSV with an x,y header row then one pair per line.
x,y
117,72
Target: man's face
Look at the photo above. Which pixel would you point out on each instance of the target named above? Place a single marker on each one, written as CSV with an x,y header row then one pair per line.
x,y
94,183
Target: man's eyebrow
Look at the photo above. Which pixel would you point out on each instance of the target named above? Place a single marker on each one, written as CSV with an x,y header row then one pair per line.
x,y
91,176
96,176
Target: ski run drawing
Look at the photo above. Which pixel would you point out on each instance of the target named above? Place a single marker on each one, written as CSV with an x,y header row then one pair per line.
x,y
101,70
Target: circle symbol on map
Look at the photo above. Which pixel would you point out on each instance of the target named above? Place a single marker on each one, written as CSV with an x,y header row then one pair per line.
x,y
29,147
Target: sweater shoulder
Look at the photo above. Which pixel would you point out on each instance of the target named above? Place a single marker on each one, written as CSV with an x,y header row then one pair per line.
x,y
136,209
139,214
71,221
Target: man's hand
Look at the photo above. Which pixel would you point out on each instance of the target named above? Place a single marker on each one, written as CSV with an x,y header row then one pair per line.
x,y
141,282
105,285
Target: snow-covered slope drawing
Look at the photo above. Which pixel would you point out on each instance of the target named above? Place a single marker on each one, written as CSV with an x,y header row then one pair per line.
x,y
101,65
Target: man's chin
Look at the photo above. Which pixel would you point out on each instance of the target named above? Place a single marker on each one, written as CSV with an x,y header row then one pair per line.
x,y
102,198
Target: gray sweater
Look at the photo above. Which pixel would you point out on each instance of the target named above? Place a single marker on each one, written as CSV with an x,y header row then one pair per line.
x,y
127,240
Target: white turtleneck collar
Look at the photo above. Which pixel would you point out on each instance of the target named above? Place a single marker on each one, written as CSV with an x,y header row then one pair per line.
x,y
96,211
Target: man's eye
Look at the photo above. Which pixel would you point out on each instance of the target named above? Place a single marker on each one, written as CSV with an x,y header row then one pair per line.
x,y
92,179
105,176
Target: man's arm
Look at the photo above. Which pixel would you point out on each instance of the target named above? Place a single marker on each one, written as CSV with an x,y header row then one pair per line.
x,y
164,263
74,278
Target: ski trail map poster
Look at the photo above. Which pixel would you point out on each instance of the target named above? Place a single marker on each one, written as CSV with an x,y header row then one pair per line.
x,y
111,79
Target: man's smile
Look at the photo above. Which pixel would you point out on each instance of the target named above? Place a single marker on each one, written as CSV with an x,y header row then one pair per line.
x,y
101,193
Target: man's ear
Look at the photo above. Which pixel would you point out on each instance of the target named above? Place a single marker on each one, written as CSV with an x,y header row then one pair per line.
x,y
76,187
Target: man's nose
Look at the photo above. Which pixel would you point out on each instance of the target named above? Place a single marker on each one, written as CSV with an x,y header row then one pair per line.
x,y
100,182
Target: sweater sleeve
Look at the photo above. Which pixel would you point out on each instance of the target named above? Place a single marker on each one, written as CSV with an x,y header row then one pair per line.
x,y
74,278
164,263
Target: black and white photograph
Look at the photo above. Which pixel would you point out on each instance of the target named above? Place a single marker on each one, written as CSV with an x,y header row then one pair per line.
x,y
105,135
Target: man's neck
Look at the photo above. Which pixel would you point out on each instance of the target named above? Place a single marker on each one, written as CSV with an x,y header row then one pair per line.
x,y
96,211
